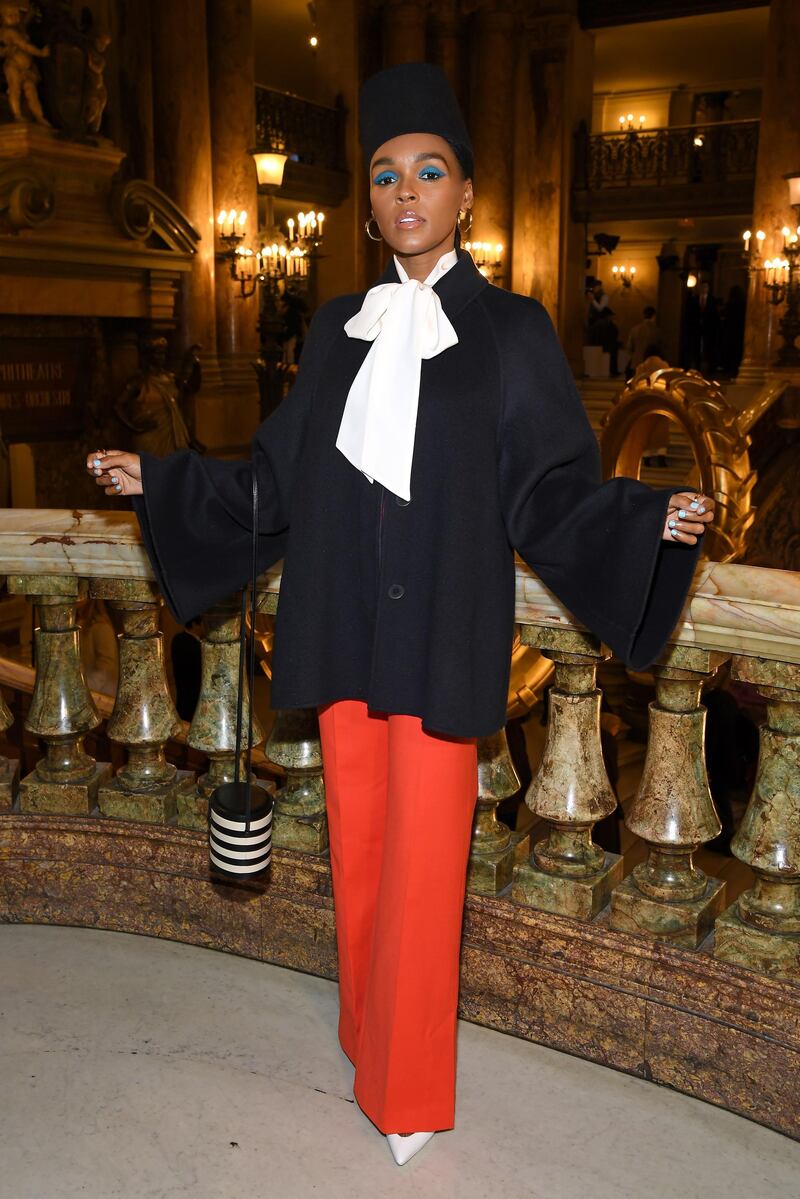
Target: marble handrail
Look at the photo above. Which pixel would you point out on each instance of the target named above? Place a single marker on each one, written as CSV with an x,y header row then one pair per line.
x,y
747,610
748,614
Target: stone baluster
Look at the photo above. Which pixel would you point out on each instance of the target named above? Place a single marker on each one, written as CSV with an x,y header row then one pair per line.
x,y
495,847
667,897
62,711
144,715
8,766
213,727
762,929
567,872
299,818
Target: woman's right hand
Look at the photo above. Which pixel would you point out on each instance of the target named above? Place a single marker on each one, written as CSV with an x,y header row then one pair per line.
x,y
116,472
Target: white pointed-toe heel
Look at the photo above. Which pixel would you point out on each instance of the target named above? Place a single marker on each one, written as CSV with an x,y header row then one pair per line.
x,y
405,1147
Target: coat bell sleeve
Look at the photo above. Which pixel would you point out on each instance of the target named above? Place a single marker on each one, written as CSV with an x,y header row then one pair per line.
x,y
195,512
597,545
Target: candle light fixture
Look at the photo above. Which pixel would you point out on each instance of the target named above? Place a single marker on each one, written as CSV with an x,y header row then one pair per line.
x,y
780,275
626,275
488,257
285,256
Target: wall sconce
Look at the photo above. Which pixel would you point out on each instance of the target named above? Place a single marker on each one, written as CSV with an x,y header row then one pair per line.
x,y
781,275
691,280
269,167
625,275
488,257
626,124
231,226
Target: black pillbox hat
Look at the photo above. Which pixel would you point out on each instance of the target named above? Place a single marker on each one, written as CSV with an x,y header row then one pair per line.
x,y
412,97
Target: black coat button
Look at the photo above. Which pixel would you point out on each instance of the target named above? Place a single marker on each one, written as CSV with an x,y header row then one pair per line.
x,y
396,591
398,499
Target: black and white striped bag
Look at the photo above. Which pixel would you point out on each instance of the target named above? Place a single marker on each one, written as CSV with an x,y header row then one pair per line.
x,y
240,813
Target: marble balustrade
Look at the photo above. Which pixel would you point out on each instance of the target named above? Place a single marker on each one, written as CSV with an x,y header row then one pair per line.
x,y
745,616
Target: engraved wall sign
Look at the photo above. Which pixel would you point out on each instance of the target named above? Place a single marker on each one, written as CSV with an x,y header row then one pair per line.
x,y
43,387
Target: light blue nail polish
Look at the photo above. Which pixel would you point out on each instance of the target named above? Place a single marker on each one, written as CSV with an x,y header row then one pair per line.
x,y
672,524
674,532
118,487
693,504
114,479
700,511
682,514
96,462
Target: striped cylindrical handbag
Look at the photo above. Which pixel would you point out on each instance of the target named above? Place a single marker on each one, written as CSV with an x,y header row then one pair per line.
x,y
240,814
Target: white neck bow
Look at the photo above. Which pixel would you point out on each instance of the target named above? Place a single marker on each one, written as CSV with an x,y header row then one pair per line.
x,y
405,322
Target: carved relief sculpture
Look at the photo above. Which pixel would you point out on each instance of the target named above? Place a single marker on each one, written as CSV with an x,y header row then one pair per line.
x,y
151,403
17,54
96,90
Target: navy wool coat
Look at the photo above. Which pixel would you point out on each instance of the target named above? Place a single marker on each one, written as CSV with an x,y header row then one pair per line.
x,y
410,606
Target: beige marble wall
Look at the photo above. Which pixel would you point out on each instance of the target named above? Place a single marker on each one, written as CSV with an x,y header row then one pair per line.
x,y
344,267
231,77
553,93
183,148
778,154
404,30
494,54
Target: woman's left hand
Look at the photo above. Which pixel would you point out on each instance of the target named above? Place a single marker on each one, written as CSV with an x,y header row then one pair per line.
x,y
688,514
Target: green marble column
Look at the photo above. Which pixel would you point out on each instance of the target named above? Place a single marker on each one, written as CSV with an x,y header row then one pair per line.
x,y
495,848
213,727
299,819
66,779
667,897
144,715
567,873
762,929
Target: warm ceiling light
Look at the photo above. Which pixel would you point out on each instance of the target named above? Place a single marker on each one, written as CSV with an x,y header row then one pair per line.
x,y
691,280
269,167
313,40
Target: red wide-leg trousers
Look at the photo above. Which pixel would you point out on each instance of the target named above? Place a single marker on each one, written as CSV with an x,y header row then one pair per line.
x,y
400,806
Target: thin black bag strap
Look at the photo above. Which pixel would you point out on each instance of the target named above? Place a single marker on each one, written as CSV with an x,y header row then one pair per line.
x,y
252,664
252,660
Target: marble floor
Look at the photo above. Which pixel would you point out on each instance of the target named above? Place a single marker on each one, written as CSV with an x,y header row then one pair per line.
x,y
136,1067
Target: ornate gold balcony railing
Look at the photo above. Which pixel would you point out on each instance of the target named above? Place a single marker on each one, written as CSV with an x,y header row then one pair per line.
x,y
697,166
653,970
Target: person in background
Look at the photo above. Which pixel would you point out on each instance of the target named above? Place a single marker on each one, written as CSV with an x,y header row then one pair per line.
x,y
731,340
702,329
645,340
601,329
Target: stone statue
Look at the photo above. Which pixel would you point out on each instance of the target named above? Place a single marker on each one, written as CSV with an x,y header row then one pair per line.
x,y
96,96
17,54
151,404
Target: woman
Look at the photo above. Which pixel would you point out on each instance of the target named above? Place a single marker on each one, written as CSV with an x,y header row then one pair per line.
x,y
433,429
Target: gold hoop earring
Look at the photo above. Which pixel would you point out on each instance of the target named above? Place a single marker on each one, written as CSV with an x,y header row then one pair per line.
x,y
366,229
464,232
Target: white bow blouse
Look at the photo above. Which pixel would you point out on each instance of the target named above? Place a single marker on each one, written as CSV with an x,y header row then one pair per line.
x,y
405,322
